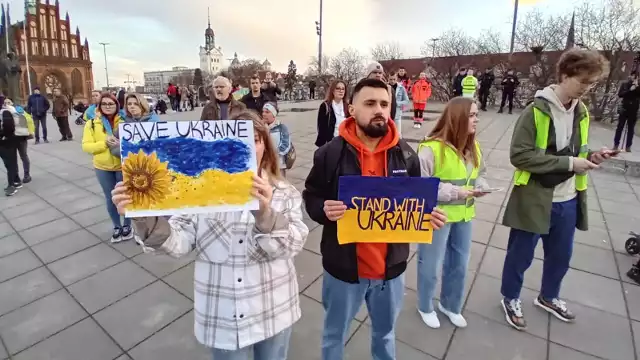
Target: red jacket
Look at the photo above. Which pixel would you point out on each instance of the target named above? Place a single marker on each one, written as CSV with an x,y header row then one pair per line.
x,y
421,91
171,90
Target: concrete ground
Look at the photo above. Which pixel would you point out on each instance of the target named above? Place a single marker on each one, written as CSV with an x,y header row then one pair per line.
x,y
66,293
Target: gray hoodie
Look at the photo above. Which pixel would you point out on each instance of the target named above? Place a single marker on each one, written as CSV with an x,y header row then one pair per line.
x,y
563,123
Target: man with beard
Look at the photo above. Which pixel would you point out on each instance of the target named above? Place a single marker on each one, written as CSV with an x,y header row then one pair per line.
x,y
222,105
256,98
367,145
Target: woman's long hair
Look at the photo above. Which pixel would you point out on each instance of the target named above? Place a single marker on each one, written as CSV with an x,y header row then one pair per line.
x,y
330,97
144,104
453,129
270,160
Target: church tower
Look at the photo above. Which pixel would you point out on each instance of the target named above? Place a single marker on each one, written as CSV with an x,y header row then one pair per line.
x,y
211,57
209,36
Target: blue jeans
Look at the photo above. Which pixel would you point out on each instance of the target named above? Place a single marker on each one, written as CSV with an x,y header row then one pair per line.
x,y
273,348
448,252
108,180
342,301
558,247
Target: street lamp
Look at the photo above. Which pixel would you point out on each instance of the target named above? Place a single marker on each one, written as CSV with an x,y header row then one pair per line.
x,y
319,33
433,54
106,70
513,26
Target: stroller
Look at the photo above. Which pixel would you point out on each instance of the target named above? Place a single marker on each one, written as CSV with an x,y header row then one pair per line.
x,y
81,108
632,245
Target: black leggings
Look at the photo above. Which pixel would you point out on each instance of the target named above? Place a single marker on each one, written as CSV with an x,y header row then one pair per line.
x,y
418,113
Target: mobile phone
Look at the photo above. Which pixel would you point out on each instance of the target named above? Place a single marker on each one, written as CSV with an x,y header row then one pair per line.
x,y
489,190
613,152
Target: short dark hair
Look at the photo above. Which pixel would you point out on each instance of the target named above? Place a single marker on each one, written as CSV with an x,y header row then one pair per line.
x,y
402,68
393,73
372,83
579,61
255,77
634,73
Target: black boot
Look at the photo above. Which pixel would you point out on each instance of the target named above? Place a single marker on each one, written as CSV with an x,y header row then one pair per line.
x,y
500,111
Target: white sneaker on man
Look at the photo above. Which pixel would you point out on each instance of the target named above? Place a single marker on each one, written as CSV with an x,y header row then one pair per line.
x,y
430,319
456,319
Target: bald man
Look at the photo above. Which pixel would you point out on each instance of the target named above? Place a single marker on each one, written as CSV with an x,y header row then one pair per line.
x,y
222,103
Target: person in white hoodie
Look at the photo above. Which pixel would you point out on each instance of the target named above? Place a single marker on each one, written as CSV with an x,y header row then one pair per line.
x,y
549,150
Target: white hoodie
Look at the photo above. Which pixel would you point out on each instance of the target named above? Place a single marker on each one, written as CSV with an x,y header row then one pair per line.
x,y
563,123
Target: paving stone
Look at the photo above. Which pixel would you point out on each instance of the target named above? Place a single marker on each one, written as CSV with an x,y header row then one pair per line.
x,y
620,208
62,199
307,332
412,331
91,216
176,341
135,318
35,219
485,339
487,212
625,262
482,231
497,198
127,248
594,237
314,291
500,239
26,288
6,229
25,209
160,264
594,332
308,268
620,223
76,172
594,291
103,230
3,352
494,260
182,280
58,186
51,230
311,225
23,197
39,320
10,244
84,203
313,240
108,286
557,352
604,193
85,263
82,341
124,357
596,219
52,250
594,260
17,263
359,347
485,300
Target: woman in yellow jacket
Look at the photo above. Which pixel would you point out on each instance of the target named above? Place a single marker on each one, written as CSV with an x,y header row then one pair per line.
x,y
98,140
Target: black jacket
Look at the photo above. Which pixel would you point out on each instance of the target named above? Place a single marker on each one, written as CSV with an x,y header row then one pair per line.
x,y
331,161
510,83
630,98
486,81
254,103
457,84
326,124
270,93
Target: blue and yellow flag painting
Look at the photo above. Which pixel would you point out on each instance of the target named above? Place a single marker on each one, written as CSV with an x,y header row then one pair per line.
x,y
387,209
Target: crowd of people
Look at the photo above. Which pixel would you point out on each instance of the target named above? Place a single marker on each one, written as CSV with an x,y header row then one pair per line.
x,y
246,296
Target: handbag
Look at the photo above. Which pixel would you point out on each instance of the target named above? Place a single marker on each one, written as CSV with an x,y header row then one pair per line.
x,y
290,157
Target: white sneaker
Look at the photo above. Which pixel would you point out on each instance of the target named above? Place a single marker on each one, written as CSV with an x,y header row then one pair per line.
x,y
430,319
456,319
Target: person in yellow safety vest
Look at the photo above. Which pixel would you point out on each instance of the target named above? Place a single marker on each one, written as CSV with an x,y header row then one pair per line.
x,y
450,153
469,85
550,152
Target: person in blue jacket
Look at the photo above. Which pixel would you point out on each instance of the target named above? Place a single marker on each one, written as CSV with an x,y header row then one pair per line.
x,y
37,106
279,133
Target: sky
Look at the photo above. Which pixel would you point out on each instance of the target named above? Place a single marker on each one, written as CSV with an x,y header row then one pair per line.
x,y
147,35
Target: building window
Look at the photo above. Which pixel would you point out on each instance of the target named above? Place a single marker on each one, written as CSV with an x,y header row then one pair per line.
x,y
23,46
45,49
63,33
85,56
65,50
34,33
55,49
43,26
74,51
54,33
34,47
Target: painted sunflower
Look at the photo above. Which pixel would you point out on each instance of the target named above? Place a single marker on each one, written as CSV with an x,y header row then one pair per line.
x,y
147,179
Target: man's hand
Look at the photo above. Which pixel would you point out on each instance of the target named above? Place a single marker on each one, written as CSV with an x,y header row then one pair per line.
x,y
581,165
438,219
334,210
602,155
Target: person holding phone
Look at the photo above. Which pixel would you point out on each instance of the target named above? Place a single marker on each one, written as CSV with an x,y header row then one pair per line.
x,y
628,111
246,290
549,150
452,154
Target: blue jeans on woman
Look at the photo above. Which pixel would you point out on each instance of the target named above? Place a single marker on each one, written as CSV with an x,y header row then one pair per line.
x,y
342,301
273,348
449,251
108,181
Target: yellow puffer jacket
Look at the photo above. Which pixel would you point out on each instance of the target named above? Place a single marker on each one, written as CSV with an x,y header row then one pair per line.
x,y
94,141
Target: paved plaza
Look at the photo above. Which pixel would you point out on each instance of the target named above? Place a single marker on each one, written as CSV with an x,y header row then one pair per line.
x,y
67,294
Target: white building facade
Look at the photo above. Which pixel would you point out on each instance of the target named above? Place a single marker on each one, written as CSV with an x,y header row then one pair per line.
x,y
156,82
211,57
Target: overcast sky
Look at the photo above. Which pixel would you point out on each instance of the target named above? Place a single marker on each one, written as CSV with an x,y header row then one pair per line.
x,y
158,34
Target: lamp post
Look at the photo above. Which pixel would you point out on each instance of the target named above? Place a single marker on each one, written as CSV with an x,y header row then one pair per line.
x,y
106,69
319,33
513,26
433,49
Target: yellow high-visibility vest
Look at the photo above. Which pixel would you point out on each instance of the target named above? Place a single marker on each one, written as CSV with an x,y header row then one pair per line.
x,y
469,85
450,168
542,122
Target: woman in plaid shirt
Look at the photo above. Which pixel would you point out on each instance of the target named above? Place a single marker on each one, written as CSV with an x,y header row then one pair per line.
x,y
246,292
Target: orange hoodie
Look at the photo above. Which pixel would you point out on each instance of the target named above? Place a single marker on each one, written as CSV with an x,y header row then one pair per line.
x,y
421,91
371,256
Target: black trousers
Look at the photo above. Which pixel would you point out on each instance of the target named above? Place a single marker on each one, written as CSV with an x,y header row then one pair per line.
x,y
312,93
507,95
628,118
24,156
484,97
40,121
63,126
9,155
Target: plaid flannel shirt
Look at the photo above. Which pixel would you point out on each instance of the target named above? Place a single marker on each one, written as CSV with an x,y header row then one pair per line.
x,y
245,285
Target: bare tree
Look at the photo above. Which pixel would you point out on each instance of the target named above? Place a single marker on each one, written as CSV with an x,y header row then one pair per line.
x,y
491,41
386,51
453,42
348,65
537,30
324,77
242,74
